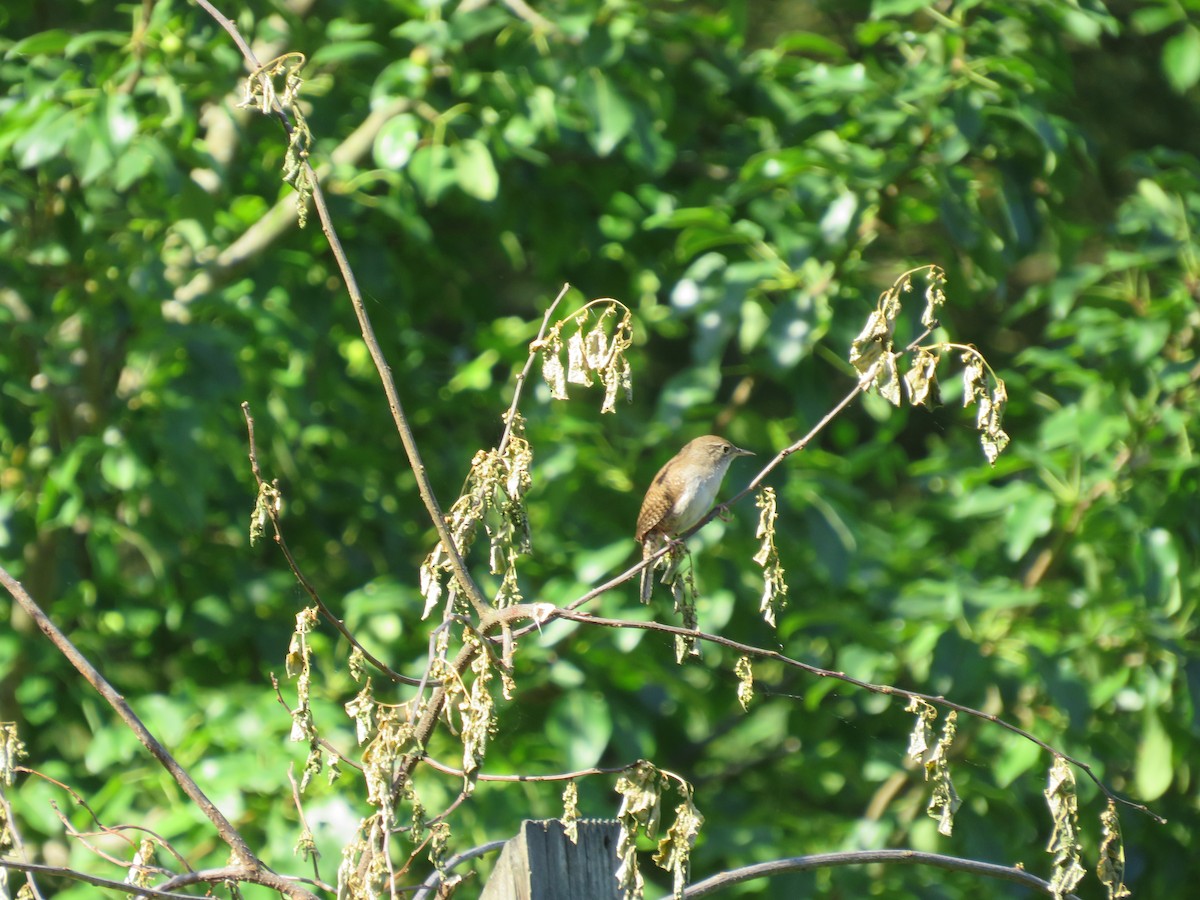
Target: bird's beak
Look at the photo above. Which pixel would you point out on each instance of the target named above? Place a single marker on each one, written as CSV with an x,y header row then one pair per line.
x,y
738,451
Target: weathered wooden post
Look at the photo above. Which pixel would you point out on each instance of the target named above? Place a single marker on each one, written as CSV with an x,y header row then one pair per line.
x,y
541,863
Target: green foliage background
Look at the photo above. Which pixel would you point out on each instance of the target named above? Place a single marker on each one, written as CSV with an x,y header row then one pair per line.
x,y
747,177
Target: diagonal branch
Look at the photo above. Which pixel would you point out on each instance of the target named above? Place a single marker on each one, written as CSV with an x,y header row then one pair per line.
x,y
469,587
248,866
280,218
273,515
795,447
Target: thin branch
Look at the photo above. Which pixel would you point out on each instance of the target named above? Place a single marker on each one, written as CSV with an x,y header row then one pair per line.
x,y
866,857
273,515
13,833
530,15
82,837
561,776
103,829
859,388
291,774
249,867
424,726
469,587
775,462
529,610
435,878
324,744
61,872
235,873
281,218
534,348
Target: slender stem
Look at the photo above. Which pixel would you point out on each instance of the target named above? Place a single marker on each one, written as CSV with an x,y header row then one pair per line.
x,y
534,347
14,839
249,867
560,776
758,479
403,428
886,689
433,709
866,857
291,774
116,830
435,878
31,869
273,515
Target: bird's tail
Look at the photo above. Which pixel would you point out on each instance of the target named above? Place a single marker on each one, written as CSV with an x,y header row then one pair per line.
x,y
651,545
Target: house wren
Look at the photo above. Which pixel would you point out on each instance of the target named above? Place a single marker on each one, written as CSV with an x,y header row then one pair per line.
x,y
681,493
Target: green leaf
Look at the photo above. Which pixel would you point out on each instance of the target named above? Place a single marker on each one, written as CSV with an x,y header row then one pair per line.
x,y
476,171
90,151
1154,771
881,9
1181,59
396,141
1018,757
1163,587
133,164
46,137
121,121
120,468
403,78
807,43
1149,19
609,111
333,54
796,326
691,388
467,26
838,218
581,724
89,40
45,43
703,216
430,171
1028,519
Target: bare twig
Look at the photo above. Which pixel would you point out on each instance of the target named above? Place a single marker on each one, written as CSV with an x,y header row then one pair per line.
x,y
859,388
433,709
102,828
230,873
534,349
247,866
435,878
281,218
303,819
468,585
273,515
866,857
13,834
61,872
325,745
560,776
775,462
529,610
82,837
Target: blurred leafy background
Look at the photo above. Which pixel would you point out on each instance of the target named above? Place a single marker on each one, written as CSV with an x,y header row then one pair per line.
x,y
746,176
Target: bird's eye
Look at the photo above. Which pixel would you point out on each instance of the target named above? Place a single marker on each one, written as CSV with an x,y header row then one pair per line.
x,y
726,449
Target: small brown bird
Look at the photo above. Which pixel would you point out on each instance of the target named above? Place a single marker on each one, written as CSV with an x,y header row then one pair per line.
x,y
681,493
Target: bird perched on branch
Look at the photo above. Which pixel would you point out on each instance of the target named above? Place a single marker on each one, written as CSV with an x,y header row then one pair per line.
x,y
681,493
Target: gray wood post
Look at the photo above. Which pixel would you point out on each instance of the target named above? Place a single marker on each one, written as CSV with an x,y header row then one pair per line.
x,y
540,863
